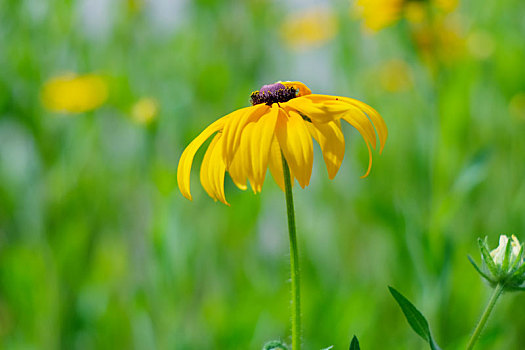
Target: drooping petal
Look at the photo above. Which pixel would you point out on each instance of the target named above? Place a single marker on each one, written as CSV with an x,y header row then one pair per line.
x,y
317,112
186,159
369,161
255,147
275,163
322,109
330,138
213,169
358,119
237,173
374,116
297,85
233,129
296,144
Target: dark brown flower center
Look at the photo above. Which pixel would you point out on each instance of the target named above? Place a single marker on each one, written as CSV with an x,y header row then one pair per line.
x,y
273,93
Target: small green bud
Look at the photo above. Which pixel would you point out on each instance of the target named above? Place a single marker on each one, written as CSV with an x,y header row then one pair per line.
x,y
504,265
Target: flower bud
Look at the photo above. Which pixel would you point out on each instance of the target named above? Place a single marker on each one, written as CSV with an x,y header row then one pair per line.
x,y
275,345
498,254
503,265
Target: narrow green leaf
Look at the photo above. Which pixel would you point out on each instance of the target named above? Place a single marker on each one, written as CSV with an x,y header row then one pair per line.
x,y
506,259
478,269
487,258
415,318
354,345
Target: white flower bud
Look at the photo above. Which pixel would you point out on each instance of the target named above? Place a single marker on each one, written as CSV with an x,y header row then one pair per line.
x,y
498,254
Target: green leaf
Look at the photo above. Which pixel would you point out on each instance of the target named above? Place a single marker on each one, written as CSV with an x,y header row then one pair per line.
x,y
478,269
506,259
494,270
354,345
415,318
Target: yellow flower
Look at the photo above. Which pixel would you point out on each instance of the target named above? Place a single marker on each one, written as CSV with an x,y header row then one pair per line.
x,y
378,14
283,118
395,75
70,93
309,28
144,110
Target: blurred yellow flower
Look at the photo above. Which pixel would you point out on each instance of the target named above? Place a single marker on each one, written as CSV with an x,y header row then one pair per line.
x,y
71,93
282,120
441,41
395,75
309,28
446,5
145,110
415,11
480,44
378,14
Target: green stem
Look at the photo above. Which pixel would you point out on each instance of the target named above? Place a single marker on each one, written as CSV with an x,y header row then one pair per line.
x,y
481,324
294,261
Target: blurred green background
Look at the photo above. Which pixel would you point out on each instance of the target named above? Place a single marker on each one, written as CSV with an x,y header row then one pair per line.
x,y
98,249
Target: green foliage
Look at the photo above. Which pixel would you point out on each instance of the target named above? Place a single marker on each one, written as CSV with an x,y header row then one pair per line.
x,y
99,250
415,318
354,345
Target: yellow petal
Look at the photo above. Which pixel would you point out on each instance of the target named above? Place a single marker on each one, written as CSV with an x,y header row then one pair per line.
x,y
275,163
369,161
233,129
297,85
317,112
212,170
296,144
237,173
186,159
255,147
374,116
330,138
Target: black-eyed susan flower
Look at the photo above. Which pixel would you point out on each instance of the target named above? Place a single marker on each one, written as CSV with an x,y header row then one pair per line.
x,y
71,93
283,119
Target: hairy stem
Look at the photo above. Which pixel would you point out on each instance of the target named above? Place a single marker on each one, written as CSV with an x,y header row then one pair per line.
x,y
294,261
483,320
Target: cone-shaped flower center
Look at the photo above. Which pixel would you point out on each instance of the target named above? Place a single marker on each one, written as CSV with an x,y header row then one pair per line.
x,y
273,93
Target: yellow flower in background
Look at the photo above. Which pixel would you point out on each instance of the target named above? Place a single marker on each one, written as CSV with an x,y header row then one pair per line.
x,y
446,5
378,14
71,93
395,75
145,110
441,41
283,119
309,28
415,12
